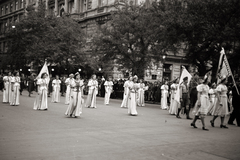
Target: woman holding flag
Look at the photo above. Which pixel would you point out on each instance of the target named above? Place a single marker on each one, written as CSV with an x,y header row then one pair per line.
x,y
174,104
133,96
42,84
75,106
92,92
108,89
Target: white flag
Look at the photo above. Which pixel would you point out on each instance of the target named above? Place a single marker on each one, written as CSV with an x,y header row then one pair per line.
x,y
44,70
184,74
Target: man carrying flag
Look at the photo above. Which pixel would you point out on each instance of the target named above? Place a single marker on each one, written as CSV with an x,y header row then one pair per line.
x,y
182,95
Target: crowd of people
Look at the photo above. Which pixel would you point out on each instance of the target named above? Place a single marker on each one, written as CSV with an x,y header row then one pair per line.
x,y
198,96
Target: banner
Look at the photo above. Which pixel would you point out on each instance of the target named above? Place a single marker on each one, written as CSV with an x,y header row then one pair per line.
x,y
184,74
224,69
44,70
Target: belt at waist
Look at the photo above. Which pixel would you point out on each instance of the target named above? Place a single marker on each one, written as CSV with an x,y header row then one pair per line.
x,y
185,93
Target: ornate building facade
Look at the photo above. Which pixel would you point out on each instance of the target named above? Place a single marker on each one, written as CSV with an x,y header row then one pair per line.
x,y
90,14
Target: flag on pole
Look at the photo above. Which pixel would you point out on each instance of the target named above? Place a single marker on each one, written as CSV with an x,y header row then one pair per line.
x,y
224,69
184,74
44,70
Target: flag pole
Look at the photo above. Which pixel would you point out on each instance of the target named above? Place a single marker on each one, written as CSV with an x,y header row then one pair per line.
x,y
234,82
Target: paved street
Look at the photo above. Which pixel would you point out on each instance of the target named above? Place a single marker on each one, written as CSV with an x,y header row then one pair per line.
x,y
109,133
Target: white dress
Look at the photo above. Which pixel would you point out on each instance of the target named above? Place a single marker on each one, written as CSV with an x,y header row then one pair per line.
x,y
164,89
75,106
204,101
92,93
41,99
141,92
132,98
6,91
221,110
108,90
68,92
56,90
16,91
212,98
125,98
174,104
10,89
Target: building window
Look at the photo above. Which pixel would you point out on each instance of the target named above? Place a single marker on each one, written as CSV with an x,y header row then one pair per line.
x,y
16,5
154,77
21,5
11,7
6,10
2,11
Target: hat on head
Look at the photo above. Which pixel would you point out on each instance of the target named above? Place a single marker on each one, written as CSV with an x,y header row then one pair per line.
x,y
185,78
77,73
71,74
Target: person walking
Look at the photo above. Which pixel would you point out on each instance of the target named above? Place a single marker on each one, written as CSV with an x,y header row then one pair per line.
x,y
202,105
41,99
108,90
6,89
126,90
174,104
221,106
92,92
141,93
236,106
132,96
68,92
75,106
56,83
15,82
22,83
164,88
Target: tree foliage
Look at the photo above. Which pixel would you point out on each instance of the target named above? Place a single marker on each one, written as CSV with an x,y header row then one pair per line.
x,y
39,36
134,37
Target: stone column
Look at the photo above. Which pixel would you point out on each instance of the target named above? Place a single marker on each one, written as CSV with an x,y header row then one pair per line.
x,y
76,6
56,7
66,7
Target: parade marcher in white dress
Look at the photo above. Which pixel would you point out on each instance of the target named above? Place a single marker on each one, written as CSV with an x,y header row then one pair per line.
x,y
132,96
68,92
202,105
174,104
92,92
6,90
76,102
10,87
221,106
41,99
213,98
15,89
164,89
56,83
141,92
108,90
125,94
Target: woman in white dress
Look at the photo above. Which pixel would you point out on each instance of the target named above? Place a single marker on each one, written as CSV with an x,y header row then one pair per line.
x,y
10,87
75,107
132,96
141,92
125,94
92,92
6,89
15,89
68,92
56,83
221,106
108,90
174,104
201,107
212,96
41,99
164,89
